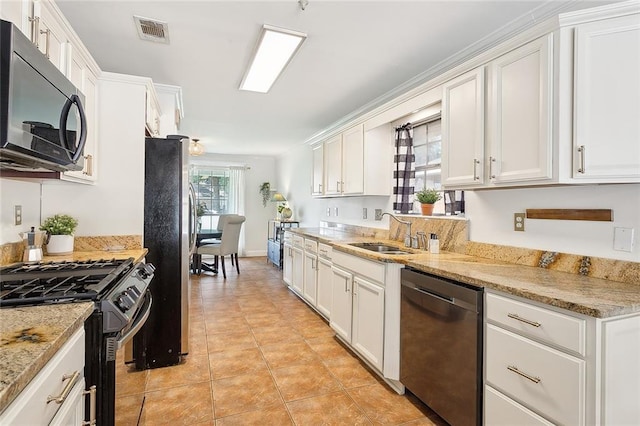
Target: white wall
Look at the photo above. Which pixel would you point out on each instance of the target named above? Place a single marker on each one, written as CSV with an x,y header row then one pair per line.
x,y
491,218
260,169
114,205
22,193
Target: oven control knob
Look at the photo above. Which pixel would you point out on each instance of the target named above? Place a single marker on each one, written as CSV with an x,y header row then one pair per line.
x,y
124,301
133,292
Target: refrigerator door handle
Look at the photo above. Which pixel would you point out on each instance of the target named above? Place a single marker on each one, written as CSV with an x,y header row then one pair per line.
x,y
194,219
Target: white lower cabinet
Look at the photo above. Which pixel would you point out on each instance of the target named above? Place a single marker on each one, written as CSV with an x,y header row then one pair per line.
x,y
325,290
66,368
297,269
503,411
547,365
287,263
341,305
310,277
368,320
357,312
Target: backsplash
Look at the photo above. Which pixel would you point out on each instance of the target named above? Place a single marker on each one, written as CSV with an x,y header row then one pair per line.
x,y
12,252
596,267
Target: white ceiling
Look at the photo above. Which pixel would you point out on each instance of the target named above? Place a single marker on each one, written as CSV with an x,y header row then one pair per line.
x,y
356,51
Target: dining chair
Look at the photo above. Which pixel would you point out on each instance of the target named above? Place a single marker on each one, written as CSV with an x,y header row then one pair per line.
x,y
228,244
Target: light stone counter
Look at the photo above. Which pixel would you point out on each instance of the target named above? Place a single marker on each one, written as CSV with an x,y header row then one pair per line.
x,y
30,337
590,296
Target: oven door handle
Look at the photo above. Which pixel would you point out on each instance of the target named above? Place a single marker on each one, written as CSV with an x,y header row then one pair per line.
x,y
138,323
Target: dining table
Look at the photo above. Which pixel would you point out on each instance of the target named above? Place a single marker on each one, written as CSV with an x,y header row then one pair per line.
x,y
202,236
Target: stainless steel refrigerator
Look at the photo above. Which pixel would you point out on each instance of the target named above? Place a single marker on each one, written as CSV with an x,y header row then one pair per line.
x,y
169,234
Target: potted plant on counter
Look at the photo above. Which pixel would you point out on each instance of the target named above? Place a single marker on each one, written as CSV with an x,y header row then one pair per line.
x,y
427,198
59,228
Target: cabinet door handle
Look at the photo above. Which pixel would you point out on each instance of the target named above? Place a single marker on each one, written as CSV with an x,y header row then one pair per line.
x,y
92,406
491,161
89,159
320,188
46,43
35,31
524,320
475,169
523,374
582,167
338,186
72,379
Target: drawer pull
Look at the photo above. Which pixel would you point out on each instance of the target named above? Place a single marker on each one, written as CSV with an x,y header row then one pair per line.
x,y
92,406
525,375
73,378
524,320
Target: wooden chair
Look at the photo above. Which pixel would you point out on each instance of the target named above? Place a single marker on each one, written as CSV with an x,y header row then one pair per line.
x,y
228,244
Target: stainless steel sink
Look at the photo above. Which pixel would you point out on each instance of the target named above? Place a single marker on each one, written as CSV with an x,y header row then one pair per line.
x,y
380,248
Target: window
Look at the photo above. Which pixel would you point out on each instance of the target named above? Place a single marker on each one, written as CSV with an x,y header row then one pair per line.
x,y
427,143
212,192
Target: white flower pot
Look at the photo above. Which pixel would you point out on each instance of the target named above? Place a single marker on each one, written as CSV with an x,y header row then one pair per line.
x,y
60,244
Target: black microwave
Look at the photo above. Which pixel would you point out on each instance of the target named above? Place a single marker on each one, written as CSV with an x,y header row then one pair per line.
x,y
42,120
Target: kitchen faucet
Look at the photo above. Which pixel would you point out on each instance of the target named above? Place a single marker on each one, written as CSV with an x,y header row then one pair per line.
x,y
407,237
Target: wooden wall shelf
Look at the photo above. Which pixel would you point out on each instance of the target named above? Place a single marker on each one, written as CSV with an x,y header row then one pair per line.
x,y
598,215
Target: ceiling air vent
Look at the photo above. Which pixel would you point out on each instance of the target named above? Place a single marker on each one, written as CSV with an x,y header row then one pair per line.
x,y
152,30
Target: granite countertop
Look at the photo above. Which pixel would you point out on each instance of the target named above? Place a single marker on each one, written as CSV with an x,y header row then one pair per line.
x,y
30,337
590,296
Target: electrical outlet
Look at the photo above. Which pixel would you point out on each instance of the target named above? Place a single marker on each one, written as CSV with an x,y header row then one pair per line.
x,y
17,215
378,214
335,211
364,212
518,221
328,211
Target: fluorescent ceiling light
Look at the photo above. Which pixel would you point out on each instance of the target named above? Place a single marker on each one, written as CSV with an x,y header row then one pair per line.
x,y
275,48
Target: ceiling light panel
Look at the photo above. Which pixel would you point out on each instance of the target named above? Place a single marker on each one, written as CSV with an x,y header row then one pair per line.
x,y
275,48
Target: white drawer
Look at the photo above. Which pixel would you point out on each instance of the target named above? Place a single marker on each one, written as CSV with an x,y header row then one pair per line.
x,y
360,266
288,236
30,407
325,250
560,392
538,323
310,246
500,410
298,241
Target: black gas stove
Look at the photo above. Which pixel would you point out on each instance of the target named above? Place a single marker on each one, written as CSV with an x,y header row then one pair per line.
x,y
120,291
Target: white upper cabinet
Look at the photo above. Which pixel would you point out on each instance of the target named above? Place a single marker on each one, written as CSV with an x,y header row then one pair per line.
x,y
48,34
152,112
86,81
317,186
463,129
333,165
520,136
606,129
343,163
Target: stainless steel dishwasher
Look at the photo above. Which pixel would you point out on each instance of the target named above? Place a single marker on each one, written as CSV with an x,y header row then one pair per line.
x,y
441,345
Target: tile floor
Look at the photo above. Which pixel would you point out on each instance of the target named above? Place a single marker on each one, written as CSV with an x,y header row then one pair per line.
x,y
260,356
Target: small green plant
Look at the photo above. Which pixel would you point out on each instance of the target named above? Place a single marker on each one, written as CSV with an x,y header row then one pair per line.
x,y
201,209
59,224
428,196
265,191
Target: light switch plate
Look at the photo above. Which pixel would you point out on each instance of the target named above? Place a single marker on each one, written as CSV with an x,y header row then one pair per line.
x,y
364,212
623,239
17,215
378,214
518,221
328,211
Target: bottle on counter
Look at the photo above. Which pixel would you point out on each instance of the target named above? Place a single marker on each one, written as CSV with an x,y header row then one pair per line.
x,y
434,244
